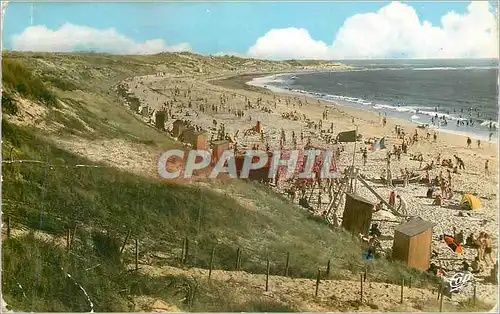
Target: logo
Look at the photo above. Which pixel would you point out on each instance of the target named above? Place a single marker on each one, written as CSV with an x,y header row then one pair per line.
x,y
459,281
278,165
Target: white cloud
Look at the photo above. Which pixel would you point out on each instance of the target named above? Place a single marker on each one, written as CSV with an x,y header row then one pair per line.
x,y
71,37
229,54
289,43
394,31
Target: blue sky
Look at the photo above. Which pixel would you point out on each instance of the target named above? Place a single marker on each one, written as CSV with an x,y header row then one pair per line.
x,y
207,28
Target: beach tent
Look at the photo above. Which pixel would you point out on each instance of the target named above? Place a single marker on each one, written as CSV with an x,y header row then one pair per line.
x,y
378,144
348,136
470,202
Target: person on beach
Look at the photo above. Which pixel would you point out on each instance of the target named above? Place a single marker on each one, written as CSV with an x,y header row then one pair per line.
x,y
477,266
460,162
469,141
487,168
478,143
438,200
392,198
488,248
365,156
389,176
478,243
403,205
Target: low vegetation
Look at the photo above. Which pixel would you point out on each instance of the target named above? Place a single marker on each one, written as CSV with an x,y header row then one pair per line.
x,y
100,206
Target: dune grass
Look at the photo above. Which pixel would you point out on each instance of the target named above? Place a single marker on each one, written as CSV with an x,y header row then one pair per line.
x,y
104,204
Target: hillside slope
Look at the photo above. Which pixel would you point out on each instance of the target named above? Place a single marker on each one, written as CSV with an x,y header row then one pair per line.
x,y
61,109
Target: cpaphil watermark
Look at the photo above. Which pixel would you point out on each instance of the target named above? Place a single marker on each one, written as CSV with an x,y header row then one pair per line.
x,y
309,164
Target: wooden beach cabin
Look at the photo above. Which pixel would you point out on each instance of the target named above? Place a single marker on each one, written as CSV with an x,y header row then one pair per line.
x,y
178,128
197,139
260,174
412,243
358,213
160,117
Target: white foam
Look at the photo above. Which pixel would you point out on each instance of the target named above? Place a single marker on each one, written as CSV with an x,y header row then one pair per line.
x,y
415,110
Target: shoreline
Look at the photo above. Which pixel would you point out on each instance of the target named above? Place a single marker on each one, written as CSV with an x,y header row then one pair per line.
x,y
280,112
263,82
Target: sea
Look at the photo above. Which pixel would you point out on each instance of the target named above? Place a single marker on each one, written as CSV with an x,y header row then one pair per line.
x,y
454,96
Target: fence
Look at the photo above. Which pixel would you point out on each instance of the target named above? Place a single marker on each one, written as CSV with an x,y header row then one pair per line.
x,y
323,271
322,274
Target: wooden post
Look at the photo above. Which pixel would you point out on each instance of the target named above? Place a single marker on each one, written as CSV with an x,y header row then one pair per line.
x,y
328,268
183,250
361,283
474,296
409,283
8,226
124,242
355,180
318,278
354,157
136,255
73,235
267,275
68,238
441,302
211,263
237,263
439,290
402,290
287,265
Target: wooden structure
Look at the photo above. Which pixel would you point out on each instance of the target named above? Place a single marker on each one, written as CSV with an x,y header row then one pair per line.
x,y
197,139
260,174
258,127
357,214
160,118
218,148
412,243
144,111
178,128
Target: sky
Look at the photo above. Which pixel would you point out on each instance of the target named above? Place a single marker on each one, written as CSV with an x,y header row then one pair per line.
x,y
270,30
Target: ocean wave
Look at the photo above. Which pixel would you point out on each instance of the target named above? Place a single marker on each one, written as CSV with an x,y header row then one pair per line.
x,y
417,111
454,68
487,123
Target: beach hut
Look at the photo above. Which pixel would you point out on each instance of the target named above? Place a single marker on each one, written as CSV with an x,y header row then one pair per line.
x,y
348,136
412,243
197,139
160,120
178,128
218,148
258,127
261,174
357,215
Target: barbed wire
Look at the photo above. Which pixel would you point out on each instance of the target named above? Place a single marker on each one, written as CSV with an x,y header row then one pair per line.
x,y
32,161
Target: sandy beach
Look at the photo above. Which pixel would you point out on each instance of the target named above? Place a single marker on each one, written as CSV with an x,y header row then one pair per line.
x,y
201,101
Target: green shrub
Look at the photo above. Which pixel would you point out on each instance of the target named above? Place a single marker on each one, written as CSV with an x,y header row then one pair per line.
x,y
8,104
18,77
